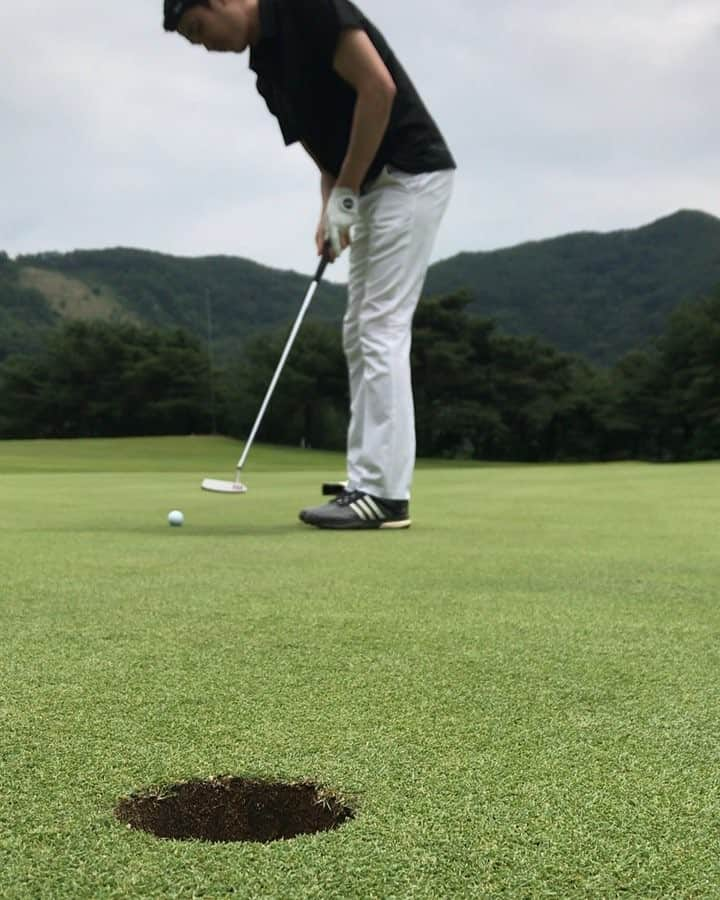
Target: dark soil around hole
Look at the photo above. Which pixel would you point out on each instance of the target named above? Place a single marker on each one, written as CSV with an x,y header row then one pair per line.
x,y
228,808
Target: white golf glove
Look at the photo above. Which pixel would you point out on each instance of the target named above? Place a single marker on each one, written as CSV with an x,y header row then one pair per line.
x,y
341,214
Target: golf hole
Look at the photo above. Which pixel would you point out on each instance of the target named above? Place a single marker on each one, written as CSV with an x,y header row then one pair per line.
x,y
228,808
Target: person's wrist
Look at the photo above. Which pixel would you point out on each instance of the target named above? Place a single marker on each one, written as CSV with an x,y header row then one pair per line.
x,y
343,197
348,183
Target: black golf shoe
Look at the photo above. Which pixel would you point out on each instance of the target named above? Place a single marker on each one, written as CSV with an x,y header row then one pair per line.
x,y
356,509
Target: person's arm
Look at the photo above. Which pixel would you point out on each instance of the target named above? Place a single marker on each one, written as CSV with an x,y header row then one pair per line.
x,y
327,183
358,62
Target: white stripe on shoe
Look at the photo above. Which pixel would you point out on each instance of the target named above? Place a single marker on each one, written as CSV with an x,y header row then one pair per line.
x,y
377,510
367,509
359,511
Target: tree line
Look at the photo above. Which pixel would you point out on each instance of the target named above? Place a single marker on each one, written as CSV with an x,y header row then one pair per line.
x,y
479,393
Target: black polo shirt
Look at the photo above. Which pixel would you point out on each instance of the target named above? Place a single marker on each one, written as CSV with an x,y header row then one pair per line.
x,y
294,64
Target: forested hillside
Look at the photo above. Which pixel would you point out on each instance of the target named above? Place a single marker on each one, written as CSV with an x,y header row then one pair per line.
x,y
230,297
479,393
597,295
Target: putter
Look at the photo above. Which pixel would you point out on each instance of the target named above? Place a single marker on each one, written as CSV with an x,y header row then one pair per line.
x,y
236,486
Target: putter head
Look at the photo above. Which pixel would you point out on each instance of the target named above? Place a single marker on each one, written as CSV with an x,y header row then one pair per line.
x,y
223,487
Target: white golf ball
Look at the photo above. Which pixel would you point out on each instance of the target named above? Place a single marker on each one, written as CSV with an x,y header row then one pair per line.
x,y
175,517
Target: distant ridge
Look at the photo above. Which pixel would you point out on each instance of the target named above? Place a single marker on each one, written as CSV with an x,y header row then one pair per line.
x,y
595,294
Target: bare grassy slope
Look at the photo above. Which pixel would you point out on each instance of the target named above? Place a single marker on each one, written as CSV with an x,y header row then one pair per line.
x,y
73,298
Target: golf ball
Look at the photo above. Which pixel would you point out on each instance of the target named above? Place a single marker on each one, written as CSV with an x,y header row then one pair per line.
x,y
175,517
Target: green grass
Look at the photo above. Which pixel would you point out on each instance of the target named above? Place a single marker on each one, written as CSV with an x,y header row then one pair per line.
x,y
521,694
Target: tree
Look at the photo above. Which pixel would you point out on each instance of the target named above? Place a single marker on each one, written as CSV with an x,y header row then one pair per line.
x,y
310,404
485,395
690,366
104,379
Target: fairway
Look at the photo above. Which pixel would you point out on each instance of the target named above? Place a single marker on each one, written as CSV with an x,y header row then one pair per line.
x,y
519,696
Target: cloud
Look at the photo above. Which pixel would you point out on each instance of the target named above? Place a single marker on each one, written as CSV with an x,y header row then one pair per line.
x,y
562,116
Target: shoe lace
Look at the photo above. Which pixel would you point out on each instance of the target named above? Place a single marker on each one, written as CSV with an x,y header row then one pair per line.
x,y
347,497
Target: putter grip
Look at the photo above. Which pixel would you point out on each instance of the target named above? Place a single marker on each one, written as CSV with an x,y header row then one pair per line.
x,y
322,265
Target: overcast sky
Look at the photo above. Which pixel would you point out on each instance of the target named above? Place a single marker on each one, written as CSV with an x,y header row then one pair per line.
x,y
563,115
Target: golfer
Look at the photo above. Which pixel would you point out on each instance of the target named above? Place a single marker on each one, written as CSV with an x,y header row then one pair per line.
x,y
333,83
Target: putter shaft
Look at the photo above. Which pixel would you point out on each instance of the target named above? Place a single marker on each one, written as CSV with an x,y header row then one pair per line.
x,y
288,346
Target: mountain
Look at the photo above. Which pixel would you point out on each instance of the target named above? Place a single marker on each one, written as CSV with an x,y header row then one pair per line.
x,y
598,295
229,297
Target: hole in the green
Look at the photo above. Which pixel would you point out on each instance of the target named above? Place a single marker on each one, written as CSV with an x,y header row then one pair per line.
x,y
229,808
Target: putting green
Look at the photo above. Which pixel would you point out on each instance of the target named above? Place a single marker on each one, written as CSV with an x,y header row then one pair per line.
x,y
519,696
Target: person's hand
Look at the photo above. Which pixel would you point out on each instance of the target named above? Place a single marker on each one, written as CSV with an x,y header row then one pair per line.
x,y
340,215
321,242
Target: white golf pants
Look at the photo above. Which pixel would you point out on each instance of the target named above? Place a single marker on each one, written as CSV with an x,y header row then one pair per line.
x,y
389,255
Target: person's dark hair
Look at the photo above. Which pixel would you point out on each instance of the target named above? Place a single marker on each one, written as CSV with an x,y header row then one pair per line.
x,y
173,11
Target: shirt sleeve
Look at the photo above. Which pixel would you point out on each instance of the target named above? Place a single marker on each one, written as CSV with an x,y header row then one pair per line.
x,y
323,20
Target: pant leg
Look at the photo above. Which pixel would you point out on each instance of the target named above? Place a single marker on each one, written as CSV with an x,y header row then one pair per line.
x,y
399,219
359,263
